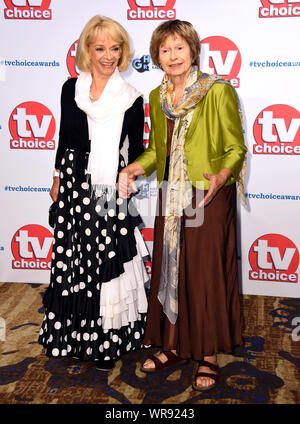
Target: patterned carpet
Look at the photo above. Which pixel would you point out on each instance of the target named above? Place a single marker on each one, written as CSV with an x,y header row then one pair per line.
x,y
265,371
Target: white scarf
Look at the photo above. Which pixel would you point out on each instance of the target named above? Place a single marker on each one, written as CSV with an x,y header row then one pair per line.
x,y
105,120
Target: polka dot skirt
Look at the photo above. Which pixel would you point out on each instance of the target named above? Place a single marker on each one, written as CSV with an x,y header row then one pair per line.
x,y
93,238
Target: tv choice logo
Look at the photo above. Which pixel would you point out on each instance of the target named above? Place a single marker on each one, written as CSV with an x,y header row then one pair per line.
x,y
274,257
148,236
148,266
28,9
31,247
221,56
147,125
71,65
151,9
276,131
279,9
32,127
142,64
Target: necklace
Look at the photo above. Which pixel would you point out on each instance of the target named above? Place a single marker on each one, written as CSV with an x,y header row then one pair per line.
x,y
92,98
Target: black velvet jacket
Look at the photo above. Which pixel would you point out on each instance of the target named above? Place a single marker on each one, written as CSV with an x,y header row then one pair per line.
x,y
73,133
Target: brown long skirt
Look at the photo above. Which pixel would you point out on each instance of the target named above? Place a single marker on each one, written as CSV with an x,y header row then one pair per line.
x,y
209,318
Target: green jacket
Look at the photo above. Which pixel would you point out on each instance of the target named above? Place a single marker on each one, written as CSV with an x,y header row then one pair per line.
x,y
213,141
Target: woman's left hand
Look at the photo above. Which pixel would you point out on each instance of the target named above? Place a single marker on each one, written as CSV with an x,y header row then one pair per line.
x,y
216,181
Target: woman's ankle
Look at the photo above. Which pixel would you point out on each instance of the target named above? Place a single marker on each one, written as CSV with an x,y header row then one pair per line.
x,y
212,359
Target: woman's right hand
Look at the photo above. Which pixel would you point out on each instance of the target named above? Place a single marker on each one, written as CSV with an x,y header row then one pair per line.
x,y
54,189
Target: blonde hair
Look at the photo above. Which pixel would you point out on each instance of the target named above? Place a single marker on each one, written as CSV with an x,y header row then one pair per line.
x,y
182,28
89,35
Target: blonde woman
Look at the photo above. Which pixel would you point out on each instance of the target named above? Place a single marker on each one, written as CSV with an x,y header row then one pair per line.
x,y
95,304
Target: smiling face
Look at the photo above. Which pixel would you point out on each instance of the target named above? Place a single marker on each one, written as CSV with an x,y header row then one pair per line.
x,y
175,56
104,53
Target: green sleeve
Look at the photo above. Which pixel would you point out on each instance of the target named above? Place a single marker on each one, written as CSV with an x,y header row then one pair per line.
x,y
231,131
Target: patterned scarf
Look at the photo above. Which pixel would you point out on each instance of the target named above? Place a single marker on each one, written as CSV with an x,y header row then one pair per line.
x,y
179,188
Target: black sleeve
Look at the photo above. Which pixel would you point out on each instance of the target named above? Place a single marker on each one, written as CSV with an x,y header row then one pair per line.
x,y
67,89
136,130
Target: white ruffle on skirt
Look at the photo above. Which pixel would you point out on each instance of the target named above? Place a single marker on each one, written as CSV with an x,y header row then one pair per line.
x,y
124,298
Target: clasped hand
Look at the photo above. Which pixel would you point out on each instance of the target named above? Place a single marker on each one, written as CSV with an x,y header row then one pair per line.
x,y
126,183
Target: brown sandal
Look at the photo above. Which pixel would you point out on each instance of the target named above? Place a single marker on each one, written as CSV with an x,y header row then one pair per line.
x,y
213,376
172,361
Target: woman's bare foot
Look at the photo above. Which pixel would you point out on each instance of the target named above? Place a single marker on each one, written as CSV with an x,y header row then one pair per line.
x,y
203,382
